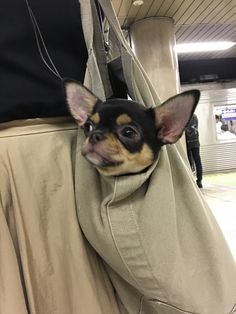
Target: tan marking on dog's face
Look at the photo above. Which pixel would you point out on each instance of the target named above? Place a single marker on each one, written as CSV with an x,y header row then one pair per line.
x,y
131,162
123,119
95,118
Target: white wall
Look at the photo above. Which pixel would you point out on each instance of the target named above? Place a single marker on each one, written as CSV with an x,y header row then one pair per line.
x,y
217,155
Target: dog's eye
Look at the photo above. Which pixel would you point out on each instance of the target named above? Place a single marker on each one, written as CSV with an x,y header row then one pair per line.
x,y
88,127
129,132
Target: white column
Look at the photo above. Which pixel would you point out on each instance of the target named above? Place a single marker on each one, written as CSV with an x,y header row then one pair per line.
x,y
153,42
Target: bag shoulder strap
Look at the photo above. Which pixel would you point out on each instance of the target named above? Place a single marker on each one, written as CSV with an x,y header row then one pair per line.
x,y
95,45
100,52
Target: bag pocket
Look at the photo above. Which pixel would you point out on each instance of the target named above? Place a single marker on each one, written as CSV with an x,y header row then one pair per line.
x,y
160,307
233,310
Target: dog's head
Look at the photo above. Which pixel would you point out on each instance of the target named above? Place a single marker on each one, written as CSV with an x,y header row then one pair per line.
x,y
123,136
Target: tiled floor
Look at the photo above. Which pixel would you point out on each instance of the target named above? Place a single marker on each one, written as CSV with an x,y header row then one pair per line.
x,y
220,192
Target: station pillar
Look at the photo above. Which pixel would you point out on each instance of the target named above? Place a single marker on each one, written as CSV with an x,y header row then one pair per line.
x,y
153,41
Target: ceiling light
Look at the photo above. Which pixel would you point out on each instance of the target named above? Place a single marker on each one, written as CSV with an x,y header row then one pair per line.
x,y
204,46
137,2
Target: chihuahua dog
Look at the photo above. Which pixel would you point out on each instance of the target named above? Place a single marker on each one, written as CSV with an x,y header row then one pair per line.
x,y
123,136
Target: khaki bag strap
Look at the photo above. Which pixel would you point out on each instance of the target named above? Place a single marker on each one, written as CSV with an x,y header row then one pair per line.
x,y
97,66
100,52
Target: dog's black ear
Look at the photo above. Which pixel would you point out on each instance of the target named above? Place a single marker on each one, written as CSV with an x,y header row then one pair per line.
x,y
174,114
79,99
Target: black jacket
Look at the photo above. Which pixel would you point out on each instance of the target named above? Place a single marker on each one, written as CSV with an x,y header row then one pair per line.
x,y
191,133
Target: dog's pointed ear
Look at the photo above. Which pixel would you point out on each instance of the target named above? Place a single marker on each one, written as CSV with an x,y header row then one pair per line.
x,y
174,114
80,100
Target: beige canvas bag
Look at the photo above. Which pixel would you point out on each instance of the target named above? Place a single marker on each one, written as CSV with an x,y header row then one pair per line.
x,y
160,243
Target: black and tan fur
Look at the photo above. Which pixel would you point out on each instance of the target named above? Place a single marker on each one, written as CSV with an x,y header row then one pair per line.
x,y
123,136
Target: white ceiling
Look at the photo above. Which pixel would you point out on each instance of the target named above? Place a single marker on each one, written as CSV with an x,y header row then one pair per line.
x,y
195,20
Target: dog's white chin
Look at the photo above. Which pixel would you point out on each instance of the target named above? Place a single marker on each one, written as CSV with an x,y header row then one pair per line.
x,y
94,158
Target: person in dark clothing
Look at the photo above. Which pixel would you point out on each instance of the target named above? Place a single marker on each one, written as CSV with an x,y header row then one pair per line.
x,y
43,252
28,88
47,44
193,148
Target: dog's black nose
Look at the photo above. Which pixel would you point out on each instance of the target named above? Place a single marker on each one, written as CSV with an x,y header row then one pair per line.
x,y
96,137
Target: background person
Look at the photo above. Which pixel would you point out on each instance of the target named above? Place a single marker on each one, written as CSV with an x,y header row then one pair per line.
x,y
193,148
218,124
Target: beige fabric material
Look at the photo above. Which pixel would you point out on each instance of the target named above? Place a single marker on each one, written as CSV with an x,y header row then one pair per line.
x,y
157,233
164,251
46,266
